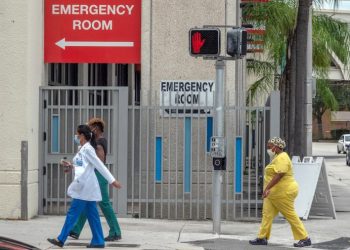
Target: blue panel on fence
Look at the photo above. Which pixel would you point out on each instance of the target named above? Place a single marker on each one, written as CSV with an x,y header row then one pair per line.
x,y
209,131
55,124
188,145
238,170
159,155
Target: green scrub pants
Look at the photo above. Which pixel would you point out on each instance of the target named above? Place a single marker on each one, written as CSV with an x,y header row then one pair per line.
x,y
106,208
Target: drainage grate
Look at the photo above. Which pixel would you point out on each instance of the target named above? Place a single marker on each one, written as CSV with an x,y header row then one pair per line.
x,y
79,244
76,244
122,245
337,244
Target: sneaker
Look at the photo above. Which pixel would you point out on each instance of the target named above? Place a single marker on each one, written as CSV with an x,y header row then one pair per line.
x,y
113,238
55,242
73,235
303,243
258,241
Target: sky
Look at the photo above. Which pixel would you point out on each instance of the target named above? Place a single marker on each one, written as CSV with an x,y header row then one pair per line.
x,y
343,5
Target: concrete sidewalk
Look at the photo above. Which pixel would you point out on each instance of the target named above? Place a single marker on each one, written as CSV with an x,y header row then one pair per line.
x,y
326,233
165,234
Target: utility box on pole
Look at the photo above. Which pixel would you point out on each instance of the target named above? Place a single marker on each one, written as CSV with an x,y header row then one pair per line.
x,y
218,152
237,42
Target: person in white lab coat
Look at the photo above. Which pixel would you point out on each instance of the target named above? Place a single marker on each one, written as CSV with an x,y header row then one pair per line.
x,y
84,190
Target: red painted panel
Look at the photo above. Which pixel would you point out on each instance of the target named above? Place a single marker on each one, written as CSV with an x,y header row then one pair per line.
x,y
90,31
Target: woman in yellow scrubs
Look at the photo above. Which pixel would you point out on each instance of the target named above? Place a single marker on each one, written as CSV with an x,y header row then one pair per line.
x,y
280,191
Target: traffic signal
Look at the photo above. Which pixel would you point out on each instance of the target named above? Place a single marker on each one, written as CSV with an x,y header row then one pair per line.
x,y
204,42
237,42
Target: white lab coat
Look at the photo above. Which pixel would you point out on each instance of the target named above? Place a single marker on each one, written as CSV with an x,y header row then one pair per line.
x,y
85,184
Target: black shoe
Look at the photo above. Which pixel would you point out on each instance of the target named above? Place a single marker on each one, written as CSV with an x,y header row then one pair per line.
x,y
113,238
303,243
73,235
258,241
95,246
55,242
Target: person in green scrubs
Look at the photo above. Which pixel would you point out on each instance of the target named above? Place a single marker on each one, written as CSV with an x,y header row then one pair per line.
x,y
97,127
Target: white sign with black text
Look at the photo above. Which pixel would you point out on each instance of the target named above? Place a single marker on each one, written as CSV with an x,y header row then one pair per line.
x,y
187,96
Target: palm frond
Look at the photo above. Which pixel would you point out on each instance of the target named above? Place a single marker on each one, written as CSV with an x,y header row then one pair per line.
x,y
263,85
277,17
265,72
326,95
331,35
260,68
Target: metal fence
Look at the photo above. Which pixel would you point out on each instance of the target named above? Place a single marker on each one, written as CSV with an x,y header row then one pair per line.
x,y
62,109
170,169
158,150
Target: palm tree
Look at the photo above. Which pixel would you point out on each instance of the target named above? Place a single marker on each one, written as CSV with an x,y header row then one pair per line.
x,y
286,24
323,101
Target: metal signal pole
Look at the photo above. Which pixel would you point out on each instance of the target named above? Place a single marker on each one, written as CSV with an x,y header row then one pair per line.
x,y
218,132
308,98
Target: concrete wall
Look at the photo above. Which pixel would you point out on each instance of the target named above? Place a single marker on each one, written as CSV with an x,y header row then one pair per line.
x,y
20,76
165,56
165,26
165,42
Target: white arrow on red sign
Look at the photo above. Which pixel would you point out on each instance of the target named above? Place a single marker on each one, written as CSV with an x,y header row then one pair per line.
x,y
63,44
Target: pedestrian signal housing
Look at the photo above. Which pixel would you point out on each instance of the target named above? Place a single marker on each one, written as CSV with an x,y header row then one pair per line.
x,y
237,42
204,42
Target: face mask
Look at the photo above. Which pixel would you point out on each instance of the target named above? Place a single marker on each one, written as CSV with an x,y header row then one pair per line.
x,y
76,139
271,153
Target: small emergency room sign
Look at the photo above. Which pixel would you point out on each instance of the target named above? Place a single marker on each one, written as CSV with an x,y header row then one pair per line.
x,y
191,96
90,31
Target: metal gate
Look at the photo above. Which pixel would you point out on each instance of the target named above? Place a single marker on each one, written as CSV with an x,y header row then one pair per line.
x,y
159,153
170,169
62,109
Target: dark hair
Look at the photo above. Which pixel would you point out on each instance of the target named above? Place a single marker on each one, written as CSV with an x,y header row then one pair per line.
x,y
98,122
89,136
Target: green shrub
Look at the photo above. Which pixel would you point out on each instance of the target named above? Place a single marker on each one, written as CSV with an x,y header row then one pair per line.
x,y
336,133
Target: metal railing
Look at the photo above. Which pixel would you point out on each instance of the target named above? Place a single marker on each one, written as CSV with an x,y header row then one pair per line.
x,y
158,150
170,169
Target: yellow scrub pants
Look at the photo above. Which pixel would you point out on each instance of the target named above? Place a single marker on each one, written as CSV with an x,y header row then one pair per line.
x,y
284,204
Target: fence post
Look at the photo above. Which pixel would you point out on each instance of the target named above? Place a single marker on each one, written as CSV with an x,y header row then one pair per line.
x,y
275,113
121,118
24,180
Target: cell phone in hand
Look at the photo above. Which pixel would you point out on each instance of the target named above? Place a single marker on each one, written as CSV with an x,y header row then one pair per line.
x,y
65,164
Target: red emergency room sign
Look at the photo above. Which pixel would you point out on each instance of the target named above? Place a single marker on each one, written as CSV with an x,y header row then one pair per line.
x,y
90,31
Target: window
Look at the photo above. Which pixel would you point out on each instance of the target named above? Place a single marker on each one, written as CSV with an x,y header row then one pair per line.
x,y
62,74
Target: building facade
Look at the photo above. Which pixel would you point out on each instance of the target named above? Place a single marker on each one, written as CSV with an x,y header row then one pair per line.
x,y
335,123
22,72
164,56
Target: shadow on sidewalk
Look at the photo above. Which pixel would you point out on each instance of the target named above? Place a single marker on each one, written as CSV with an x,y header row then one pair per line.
x,y
233,244
337,244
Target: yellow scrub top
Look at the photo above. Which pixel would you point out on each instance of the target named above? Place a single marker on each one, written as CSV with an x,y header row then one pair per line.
x,y
280,164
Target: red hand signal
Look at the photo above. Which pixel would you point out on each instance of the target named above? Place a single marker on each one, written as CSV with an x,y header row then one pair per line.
x,y
197,42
